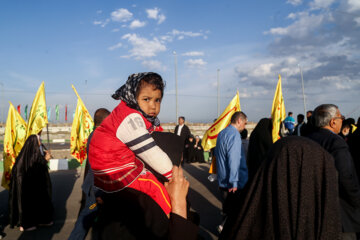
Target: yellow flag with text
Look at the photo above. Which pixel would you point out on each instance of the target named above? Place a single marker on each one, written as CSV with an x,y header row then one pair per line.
x,y
81,128
210,137
38,114
278,113
14,139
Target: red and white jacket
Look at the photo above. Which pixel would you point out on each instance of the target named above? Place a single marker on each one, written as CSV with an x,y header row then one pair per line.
x,y
120,145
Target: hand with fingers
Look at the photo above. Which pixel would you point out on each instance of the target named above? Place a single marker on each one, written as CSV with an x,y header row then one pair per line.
x,y
177,189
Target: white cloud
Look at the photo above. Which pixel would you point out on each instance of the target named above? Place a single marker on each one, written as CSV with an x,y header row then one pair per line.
x,y
304,24
101,23
155,14
121,15
154,65
115,30
294,2
119,45
99,12
182,34
161,18
354,5
321,3
193,54
195,63
137,24
262,70
357,20
142,47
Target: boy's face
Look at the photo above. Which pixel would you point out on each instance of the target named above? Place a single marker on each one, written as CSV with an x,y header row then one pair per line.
x,y
149,99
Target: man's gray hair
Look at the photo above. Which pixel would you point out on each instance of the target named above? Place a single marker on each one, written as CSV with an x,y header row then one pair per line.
x,y
238,115
323,114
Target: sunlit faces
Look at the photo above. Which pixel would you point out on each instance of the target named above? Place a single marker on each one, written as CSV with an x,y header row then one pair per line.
x,y
337,122
149,99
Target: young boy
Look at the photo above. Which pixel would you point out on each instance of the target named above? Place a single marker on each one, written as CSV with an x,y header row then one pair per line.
x,y
122,144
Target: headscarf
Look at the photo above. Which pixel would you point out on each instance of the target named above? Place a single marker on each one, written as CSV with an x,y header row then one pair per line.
x,y
127,93
259,144
294,195
29,155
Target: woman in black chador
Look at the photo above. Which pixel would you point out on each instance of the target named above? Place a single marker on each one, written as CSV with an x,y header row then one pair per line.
x,y
198,151
30,187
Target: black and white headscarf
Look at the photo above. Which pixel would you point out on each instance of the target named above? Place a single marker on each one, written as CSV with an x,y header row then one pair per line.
x,y
127,93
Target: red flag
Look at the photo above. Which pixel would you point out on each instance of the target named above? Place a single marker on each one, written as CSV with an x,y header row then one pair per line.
x,y
66,113
18,108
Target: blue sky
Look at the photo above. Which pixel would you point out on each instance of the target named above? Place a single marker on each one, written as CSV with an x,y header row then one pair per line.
x,y
96,45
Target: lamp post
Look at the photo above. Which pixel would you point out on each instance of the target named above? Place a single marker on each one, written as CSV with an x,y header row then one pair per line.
x,y
2,102
218,93
302,83
176,88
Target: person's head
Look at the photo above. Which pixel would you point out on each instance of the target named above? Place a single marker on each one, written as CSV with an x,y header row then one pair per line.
x,y
350,121
239,120
290,114
197,138
181,120
191,138
244,133
149,93
345,129
328,116
300,118
309,114
99,116
143,92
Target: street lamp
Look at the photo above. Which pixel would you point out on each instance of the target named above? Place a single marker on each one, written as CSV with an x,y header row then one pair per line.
x,y
302,83
176,83
218,93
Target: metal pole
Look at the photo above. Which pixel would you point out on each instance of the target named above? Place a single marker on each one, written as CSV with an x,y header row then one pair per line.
x,y
302,83
2,102
176,87
218,93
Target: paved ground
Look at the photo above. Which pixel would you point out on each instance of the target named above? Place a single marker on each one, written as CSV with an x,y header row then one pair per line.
x,y
203,196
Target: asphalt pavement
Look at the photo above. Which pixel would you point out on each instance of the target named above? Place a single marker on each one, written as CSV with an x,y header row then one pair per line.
x,y
203,195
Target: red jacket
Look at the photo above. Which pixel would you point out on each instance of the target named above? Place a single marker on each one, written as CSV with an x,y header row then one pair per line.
x,y
114,163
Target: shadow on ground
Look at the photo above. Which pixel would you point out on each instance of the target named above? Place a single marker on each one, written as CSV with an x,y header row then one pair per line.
x,y
203,203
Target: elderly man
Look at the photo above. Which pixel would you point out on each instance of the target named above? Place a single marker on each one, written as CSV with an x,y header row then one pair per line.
x,y
328,120
232,173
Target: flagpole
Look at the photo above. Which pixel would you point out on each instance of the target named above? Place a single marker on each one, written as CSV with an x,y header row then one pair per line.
x,y
303,92
47,133
176,83
218,93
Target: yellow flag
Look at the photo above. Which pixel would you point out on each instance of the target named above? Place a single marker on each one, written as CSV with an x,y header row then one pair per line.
x,y
38,114
353,128
14,139
209,139
277,111
81,128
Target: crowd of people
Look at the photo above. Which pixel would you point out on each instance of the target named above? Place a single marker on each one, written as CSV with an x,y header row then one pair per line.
x,y
303,186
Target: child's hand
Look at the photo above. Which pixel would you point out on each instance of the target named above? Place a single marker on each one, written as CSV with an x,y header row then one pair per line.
x,y
177,189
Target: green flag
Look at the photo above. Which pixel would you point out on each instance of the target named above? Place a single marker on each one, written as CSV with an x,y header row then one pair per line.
x,y
26,108
57,112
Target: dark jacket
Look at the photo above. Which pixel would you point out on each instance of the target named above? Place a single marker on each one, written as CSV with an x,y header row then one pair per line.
x,y
184,134
349,188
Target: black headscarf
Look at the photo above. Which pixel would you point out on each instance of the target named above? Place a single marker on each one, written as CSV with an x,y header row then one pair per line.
x,y
259,145
294,195
29,155
127,93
